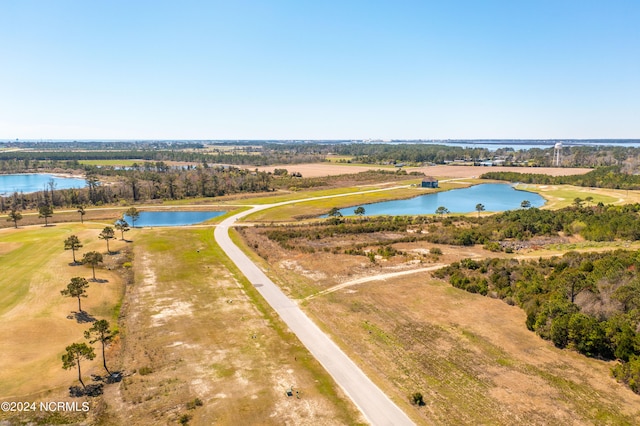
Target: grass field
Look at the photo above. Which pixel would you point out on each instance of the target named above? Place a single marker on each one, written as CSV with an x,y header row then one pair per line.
x,y
197,329
559,196
471,357
34,315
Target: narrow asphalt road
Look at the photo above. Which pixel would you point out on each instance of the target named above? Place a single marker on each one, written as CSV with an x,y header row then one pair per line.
x,y
376,407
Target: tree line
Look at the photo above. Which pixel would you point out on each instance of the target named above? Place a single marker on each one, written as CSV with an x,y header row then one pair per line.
x,y
595,223
589,302
613,177
156,181
256,153
77,288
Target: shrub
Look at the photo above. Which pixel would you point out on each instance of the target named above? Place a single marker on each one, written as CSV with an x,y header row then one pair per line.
x,y
417,399
192,405
145,371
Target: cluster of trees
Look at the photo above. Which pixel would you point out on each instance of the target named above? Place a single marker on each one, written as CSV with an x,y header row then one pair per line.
x,y
596,223
612,177
156,181
589,302
574,156
337,225
100,331
63,155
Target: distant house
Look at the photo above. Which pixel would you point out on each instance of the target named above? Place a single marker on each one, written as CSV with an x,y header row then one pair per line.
x,y
429,182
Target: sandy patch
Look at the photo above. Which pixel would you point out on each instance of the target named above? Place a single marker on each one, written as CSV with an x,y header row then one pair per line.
x,y
328,169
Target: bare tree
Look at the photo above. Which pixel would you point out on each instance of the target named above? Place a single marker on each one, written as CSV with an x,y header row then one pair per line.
x,y
82,212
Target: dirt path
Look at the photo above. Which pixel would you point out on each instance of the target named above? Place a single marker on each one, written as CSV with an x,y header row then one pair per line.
x,y
381,277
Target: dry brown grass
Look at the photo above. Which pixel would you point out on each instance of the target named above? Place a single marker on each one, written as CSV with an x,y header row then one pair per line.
x,y
193,324
470,356
38,323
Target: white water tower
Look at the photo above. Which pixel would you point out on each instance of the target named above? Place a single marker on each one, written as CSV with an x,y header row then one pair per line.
x,y
557,154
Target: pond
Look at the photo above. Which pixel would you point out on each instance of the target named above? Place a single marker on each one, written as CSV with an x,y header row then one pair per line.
x,y
173,218
494,196
34,182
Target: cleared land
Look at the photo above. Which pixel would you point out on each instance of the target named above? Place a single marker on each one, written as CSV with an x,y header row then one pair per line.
x,y
470,356
195,329
329,169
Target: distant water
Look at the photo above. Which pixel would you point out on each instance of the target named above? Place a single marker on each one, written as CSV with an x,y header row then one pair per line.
x,y
172,218
494,196
520,145
35,182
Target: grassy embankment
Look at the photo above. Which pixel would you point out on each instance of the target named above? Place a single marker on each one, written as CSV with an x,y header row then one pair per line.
x,y
314,208
559,196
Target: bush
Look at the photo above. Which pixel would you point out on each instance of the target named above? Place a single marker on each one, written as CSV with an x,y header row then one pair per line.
x,y
435,251
417,399
145,371
192,405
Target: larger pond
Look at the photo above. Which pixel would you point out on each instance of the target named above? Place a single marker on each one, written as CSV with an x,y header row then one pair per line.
x,y
34,182
172,218
494,197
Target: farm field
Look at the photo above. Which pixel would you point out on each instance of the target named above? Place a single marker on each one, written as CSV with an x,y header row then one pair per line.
x,y
330,168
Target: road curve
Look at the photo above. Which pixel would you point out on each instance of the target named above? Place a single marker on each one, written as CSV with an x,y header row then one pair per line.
x,y
376,407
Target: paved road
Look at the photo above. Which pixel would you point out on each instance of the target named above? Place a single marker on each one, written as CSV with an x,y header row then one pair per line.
x,y
376,407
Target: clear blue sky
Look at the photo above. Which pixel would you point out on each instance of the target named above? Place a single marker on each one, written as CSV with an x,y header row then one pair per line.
x,y
325,69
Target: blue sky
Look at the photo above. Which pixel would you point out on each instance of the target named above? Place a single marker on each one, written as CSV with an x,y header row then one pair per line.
x,y
328,69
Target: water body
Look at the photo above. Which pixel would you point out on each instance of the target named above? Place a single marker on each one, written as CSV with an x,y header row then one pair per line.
x,y
523,145
35,182
172,218
494,196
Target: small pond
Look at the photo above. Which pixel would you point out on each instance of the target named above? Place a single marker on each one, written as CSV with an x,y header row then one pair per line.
x,y
34,182
172,218
494,196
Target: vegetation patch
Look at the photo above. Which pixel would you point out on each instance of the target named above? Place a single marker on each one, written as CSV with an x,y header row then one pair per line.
x,y
588,302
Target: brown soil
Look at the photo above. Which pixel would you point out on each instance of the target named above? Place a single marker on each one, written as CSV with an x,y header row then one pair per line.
x,y
329,169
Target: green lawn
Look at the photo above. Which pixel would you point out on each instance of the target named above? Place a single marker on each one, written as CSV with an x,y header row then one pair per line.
x,y
32,250
564,195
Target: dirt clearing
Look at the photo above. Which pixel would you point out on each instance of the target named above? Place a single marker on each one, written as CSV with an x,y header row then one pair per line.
x,y
332,169
197,346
